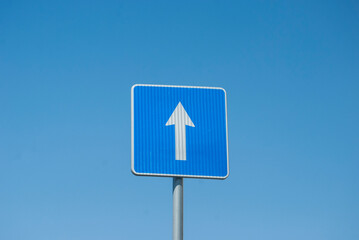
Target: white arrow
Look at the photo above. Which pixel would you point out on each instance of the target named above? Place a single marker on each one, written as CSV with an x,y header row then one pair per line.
x,y
180,119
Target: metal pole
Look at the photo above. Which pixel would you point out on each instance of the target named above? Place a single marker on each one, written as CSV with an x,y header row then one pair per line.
x,y
177,208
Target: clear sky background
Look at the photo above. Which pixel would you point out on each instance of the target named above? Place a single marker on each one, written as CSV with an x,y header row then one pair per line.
x,y
291,72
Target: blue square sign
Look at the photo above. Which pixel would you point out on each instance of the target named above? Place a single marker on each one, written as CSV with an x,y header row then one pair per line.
x,y
179,131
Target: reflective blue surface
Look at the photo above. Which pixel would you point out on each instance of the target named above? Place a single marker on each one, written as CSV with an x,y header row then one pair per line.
x,y
154,142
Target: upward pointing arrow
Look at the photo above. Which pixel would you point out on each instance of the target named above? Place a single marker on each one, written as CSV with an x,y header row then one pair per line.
x,y
180,119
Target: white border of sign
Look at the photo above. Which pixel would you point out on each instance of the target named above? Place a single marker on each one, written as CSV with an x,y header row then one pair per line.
x,y
132,134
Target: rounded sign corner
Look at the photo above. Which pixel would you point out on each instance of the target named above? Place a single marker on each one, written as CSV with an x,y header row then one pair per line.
x,y
134,172
225,177
223,90
134,86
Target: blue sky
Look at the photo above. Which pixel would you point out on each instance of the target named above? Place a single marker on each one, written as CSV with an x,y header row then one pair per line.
x,y
290,69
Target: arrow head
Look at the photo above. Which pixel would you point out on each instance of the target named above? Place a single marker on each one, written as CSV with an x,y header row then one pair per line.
x,y
180,116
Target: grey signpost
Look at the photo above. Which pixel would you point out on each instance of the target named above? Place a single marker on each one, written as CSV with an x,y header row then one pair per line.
x,y
179,131
177,208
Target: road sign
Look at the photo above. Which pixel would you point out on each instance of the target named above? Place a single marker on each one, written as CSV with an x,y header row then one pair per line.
x,y
179,131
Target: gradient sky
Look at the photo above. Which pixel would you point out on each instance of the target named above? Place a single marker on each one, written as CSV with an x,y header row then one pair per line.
x,y
291,72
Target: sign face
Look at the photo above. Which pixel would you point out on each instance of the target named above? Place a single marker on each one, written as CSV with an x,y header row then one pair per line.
x,y
179,131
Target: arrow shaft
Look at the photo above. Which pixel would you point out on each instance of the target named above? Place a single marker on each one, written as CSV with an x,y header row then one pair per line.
x,y
180,139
